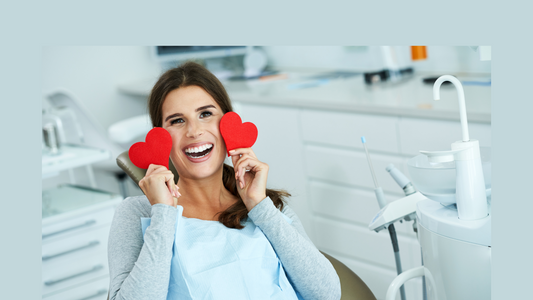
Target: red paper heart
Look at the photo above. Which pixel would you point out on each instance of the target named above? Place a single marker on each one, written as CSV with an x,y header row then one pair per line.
x,y
156,149
235,133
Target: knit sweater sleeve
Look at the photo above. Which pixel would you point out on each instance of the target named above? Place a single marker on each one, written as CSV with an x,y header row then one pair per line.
x,y
140,269
310,272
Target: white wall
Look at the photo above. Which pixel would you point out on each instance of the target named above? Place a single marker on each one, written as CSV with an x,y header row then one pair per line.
x,y
92,75
365,58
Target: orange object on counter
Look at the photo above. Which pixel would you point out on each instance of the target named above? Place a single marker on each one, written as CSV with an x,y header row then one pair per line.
x,y
273,77
418,52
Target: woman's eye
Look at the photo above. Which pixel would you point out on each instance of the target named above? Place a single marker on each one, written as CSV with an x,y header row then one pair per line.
x,y
175,121
205,114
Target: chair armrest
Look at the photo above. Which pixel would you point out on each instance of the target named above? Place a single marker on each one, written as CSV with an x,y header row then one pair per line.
x,y
352,287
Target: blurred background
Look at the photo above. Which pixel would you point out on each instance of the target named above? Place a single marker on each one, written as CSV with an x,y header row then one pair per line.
x,y
311,106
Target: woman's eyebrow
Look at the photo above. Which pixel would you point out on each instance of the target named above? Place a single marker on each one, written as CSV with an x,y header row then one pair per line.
x,y
198,109
204,107
173,115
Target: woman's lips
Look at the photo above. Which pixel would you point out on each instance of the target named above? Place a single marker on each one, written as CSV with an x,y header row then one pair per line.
x,y
198,149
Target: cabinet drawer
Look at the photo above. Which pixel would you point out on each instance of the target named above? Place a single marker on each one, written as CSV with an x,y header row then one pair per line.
x,y
346,129
351,167
94,290
418,134
350,204
68,252
362,244
89,268
76,225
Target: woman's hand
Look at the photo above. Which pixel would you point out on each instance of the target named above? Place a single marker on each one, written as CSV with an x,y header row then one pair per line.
x,y
158,186
251,176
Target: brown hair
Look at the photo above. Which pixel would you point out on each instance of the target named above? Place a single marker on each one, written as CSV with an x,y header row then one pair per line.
x,y
193,74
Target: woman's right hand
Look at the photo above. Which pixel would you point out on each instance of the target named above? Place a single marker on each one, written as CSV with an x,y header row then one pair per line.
x,y
158,186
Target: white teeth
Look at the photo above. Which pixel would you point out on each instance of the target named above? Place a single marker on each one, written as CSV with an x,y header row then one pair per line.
x,y
198,149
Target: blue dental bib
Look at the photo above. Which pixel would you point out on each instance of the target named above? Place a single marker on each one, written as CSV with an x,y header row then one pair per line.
x,y
211,261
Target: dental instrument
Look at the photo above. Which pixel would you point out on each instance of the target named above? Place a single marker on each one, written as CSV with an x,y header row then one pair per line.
x,y
392,231
377,189
408,189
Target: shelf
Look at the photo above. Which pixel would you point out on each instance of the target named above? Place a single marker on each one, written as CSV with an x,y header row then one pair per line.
x,y
67,199
71,156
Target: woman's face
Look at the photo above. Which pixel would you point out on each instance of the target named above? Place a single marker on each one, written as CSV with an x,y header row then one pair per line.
x,y
192,117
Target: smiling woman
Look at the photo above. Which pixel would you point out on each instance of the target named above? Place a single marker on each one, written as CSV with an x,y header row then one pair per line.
x,y
223,235
189,102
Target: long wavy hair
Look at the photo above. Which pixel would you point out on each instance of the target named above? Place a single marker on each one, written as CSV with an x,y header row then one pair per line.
x,y
193,74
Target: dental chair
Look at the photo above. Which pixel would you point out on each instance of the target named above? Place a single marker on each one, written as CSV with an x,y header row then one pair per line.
x,y
352,287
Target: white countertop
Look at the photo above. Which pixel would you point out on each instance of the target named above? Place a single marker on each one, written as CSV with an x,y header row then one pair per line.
x,y
408,98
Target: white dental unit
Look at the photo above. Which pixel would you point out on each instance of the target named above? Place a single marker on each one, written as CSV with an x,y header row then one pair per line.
x,y
453,218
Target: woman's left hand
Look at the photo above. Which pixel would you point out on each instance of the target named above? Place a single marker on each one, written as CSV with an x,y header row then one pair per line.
x,y
251,176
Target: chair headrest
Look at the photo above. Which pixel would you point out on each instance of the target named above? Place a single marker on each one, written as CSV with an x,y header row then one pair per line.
x,y
136,173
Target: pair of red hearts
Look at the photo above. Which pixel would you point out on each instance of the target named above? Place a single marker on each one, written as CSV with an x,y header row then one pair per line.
x,y
158,143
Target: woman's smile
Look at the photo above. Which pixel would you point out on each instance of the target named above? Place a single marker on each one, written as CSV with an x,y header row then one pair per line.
x,y
198,152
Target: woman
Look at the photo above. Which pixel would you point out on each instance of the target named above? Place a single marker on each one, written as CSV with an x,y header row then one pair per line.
x,y
223,235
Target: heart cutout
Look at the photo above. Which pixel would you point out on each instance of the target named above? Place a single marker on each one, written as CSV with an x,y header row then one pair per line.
x,y
235,133
156,149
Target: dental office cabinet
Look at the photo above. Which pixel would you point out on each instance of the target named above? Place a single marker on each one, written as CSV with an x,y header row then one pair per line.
x,y
75,228
309,135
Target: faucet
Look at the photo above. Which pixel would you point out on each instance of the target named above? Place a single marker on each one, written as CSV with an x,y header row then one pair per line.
x,y
460,95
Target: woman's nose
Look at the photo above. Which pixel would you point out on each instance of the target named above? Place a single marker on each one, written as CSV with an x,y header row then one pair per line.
x,y
194,130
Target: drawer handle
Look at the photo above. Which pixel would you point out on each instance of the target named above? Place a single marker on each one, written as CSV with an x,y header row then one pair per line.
x,y
89,245
88,223
93,269
99,293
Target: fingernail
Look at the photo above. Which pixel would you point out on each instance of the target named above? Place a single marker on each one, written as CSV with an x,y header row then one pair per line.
x,y
231,151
